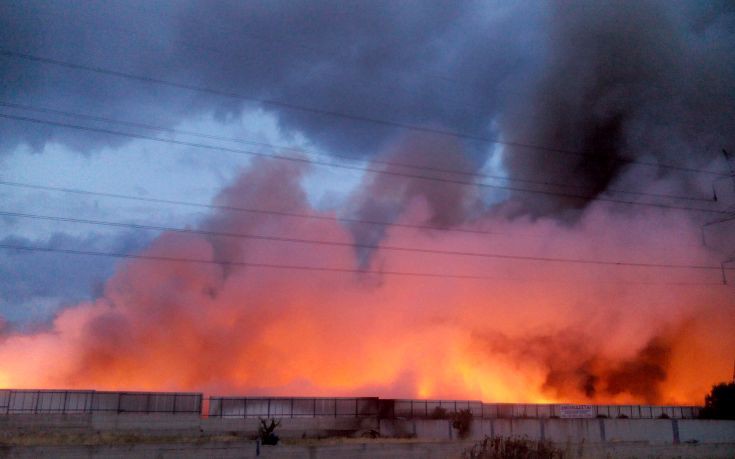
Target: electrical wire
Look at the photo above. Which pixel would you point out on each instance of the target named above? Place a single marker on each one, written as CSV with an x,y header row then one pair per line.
x,y
331,113
301,267
356,168
298,150
360,245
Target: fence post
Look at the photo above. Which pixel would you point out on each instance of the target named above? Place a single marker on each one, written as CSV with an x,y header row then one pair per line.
x,y
291,406
38,397
313,411
268,410
357,409
411,408
63,407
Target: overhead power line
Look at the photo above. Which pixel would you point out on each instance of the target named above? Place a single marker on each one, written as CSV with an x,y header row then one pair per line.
x,y
372,160
331,113
239,209
356,168
351,245
276,213
302,267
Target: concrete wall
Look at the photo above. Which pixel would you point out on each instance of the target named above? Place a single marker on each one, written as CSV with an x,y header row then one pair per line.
x,y
649,431
705,431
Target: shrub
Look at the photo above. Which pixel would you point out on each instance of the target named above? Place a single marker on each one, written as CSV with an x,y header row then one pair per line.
x,y
720,402
512,448
266,432
623,416
439,413
462,421
663,416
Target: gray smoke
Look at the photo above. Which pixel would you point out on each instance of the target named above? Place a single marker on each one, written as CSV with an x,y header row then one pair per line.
x,y
649,81
617,80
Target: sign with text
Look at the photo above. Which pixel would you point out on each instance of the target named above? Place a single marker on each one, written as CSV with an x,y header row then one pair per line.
x,y
576,411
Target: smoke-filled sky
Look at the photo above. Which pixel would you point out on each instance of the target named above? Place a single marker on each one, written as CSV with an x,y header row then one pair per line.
x,y
477,200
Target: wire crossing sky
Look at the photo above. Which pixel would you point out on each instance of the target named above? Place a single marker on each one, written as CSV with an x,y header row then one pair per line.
x,y
499,201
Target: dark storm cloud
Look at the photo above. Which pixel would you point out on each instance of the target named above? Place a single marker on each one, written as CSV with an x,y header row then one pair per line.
x,y
617,80
626,80
434,64
27,277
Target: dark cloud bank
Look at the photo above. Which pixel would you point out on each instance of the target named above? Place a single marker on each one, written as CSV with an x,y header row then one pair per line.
x,y
619,80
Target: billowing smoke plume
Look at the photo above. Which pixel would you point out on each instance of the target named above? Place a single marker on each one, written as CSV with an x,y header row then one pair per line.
x,y
527,331
576,366
602,87
622,82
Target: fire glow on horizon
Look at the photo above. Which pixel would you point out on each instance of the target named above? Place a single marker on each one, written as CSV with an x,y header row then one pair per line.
x,y
531,332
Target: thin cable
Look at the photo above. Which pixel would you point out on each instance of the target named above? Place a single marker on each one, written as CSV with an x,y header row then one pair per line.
x,y
272,212
374,161
359,245
240,209
354,117
356,168
295,267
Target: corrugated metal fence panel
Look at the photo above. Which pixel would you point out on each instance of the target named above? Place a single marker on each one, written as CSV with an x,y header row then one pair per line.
x,y
80,401
303,407
133,402
45,401
291,407
188,403
22,401
406,408
280,407
227,407
368,406
106,401
4,400
325,406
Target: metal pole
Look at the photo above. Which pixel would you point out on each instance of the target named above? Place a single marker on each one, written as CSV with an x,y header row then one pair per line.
x,y
291,406
63,407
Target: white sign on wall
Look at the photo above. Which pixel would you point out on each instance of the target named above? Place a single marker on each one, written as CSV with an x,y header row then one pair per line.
x,y
576,411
